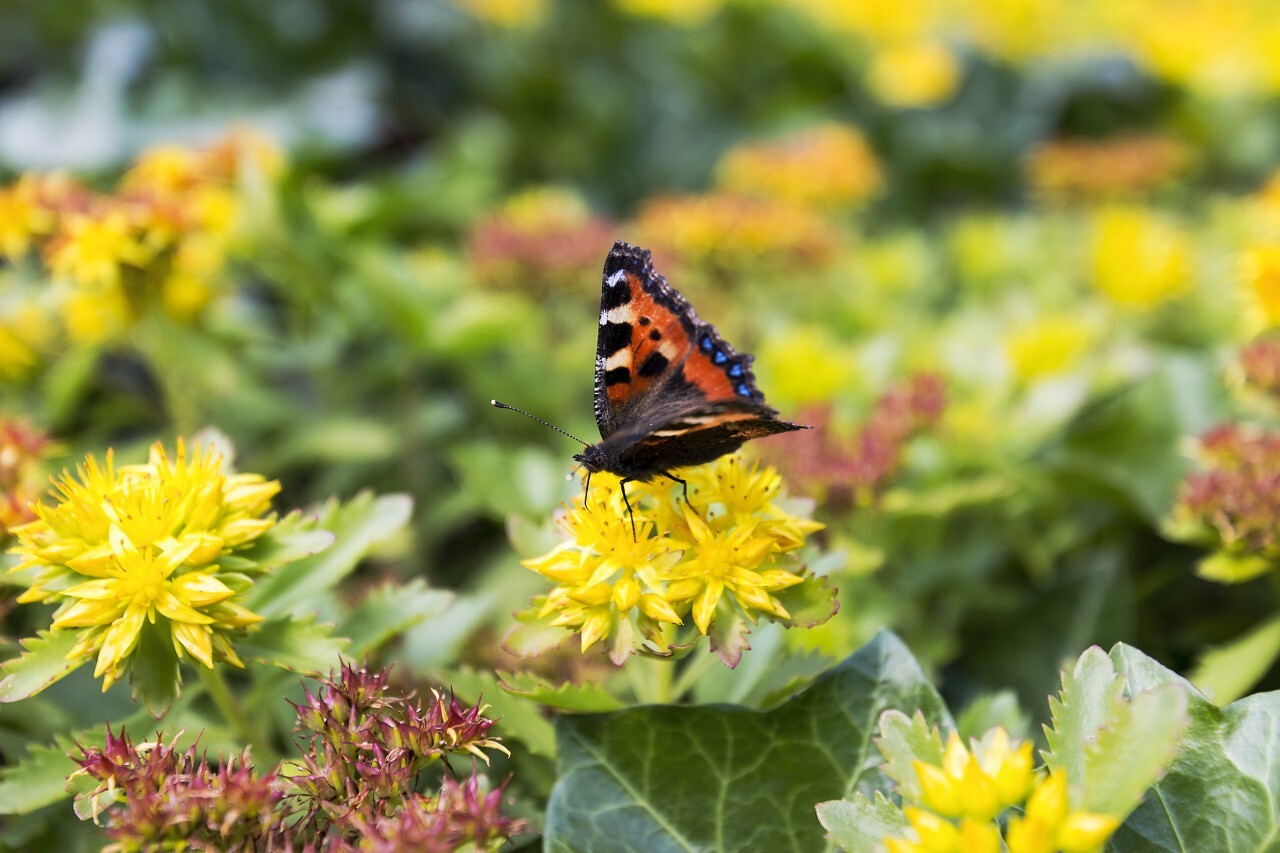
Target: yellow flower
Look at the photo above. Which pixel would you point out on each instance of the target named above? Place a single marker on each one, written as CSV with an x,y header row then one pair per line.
x,y
938,835
95,314
1260,269
92,249
979,784
804,364
167,170
1048,346
917,73
682,13
511,14
1140,259
727,562
1048,825
829,165
22,218
25,330
134,544
610,580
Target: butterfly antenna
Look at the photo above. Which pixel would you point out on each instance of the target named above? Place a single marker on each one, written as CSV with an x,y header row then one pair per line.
x,y
498,405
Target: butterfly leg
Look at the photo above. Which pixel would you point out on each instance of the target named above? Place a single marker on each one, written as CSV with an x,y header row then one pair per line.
x,y
630,513
684,486
586,490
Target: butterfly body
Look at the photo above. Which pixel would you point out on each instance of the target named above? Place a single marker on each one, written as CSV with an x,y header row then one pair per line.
x,y
669,391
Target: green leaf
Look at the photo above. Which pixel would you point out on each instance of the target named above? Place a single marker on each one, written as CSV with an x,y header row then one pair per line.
x,y
356,525
390,610
1225,567
517,719
991,710
1089,698
728,778
904,739
43,663
578,698
860,825
1222,792
37,778
531,636
1112,748
300,645
153,668
1226,672
810,602
290,540
1138,743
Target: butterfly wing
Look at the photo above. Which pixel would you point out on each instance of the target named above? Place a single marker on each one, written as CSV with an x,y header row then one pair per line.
x,y
669,390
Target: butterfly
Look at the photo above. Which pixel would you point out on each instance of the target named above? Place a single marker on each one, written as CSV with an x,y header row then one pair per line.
x,y
669,391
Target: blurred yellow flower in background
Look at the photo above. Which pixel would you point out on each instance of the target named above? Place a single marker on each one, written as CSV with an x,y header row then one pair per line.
x,y
916,73
1140,259
728,230
682,13
22,218
512,14
1089,169
93,249
829,165
1047,346
1260,271
803,364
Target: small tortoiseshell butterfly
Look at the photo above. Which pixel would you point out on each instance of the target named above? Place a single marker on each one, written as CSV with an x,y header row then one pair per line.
x,y
670,392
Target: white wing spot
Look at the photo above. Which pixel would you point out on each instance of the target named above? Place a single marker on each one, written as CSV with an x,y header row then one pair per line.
x,y
616,279
621,358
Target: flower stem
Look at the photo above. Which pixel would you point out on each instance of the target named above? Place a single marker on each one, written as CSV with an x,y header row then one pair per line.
x,y
233,713
651,679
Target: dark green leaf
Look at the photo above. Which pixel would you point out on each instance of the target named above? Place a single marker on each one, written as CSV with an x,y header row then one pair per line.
x,y
643,778
1222,792
43,663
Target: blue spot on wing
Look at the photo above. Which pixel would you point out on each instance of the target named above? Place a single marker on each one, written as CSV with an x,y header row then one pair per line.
x,y
744,389
719,357
706,343
735,371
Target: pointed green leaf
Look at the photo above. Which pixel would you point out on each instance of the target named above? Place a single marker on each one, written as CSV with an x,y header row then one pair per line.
x,y
356,525
1138,743
1225,567
43,663
282,545
1222,792
904,739
153,668
860,825
37,778
1089,697
811,602
1226,672
531,636
390,610
727,778
577,698
300,645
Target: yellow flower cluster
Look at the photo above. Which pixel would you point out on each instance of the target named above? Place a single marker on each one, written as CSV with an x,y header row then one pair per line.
x,y
161,239
140,544
727,553
727,230
1140,258
1222,47
962,798
826,166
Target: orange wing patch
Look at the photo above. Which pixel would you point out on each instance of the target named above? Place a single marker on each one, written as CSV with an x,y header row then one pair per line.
x,y
658,340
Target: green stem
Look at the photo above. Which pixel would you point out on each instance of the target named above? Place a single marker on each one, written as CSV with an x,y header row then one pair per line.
x,y
651,679
697,666
234,714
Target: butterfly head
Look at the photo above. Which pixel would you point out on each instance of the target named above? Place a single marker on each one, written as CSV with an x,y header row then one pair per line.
x,y
595,458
